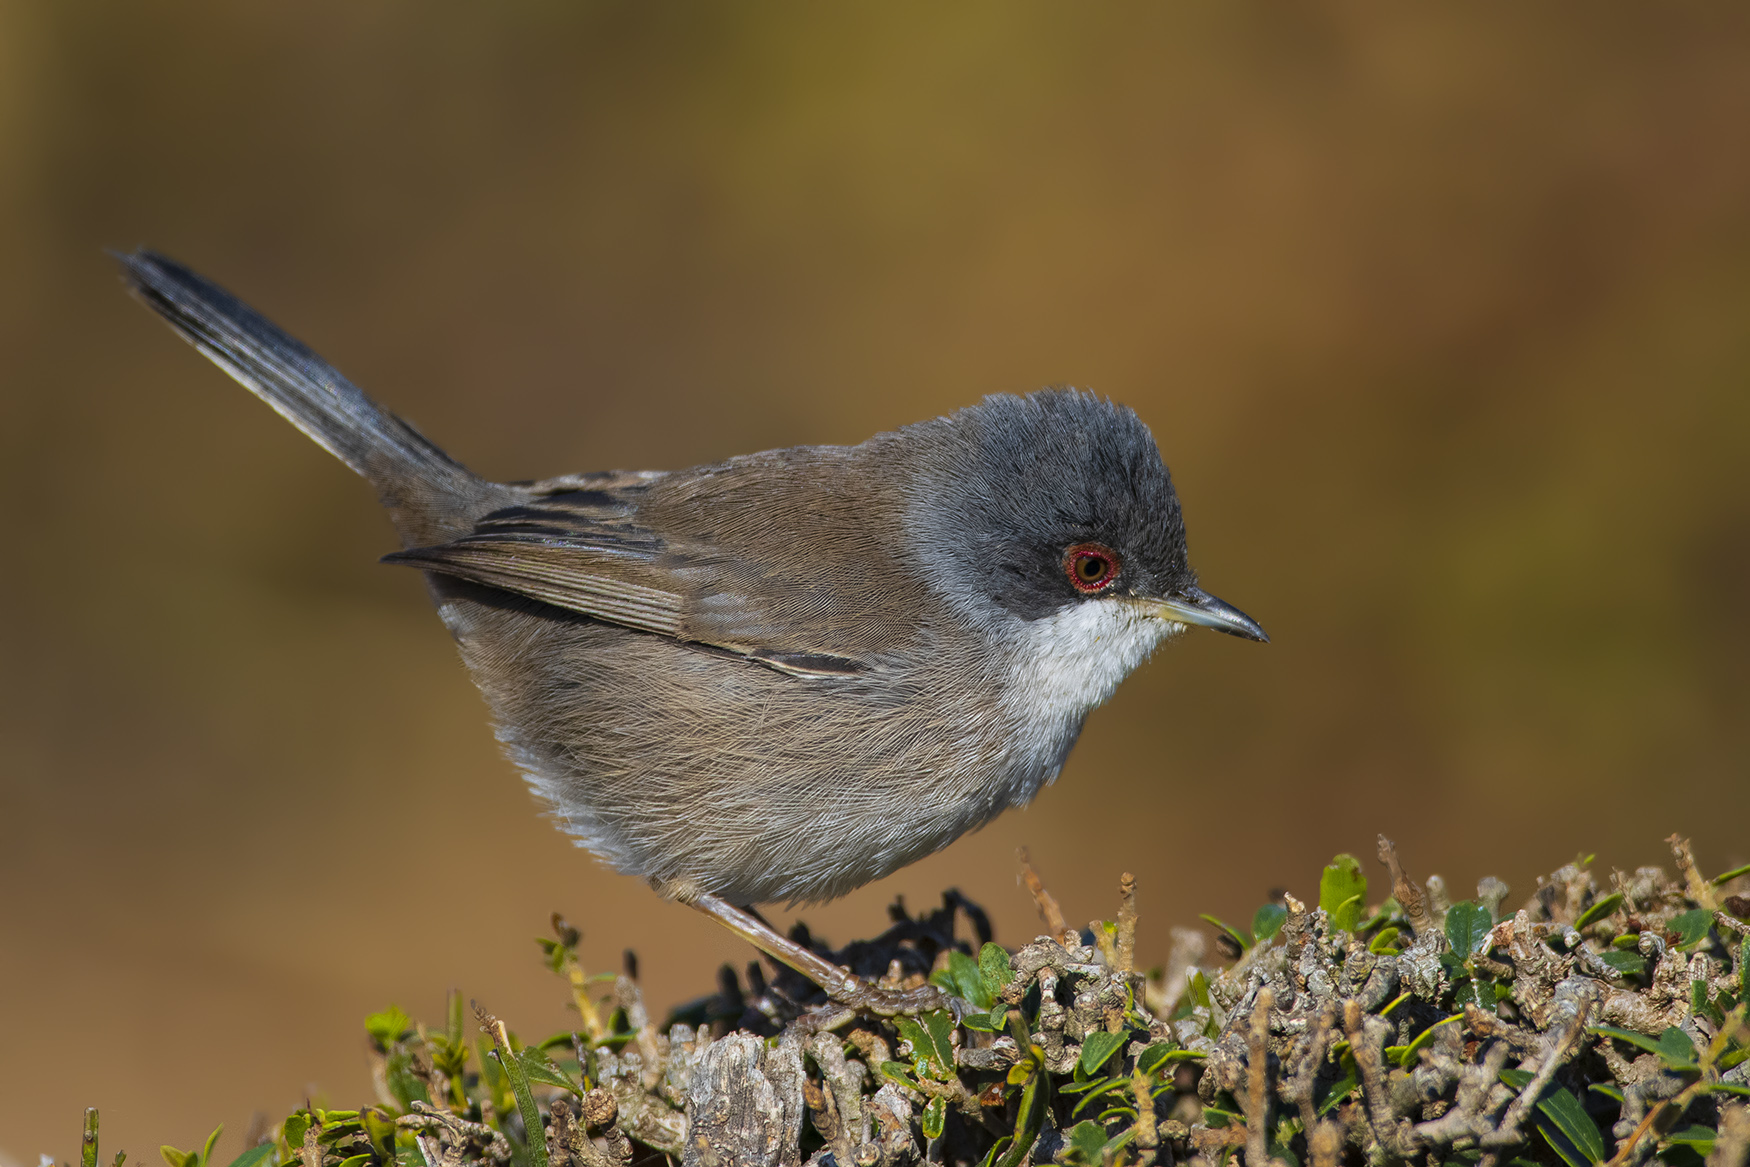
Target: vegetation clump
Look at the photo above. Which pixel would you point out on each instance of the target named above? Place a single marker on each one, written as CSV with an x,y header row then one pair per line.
x,y
1594,1025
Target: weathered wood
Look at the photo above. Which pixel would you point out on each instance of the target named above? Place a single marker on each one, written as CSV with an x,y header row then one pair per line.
x,y
744,1106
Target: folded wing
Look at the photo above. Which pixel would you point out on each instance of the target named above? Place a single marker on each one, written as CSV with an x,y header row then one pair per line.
x,y
586,554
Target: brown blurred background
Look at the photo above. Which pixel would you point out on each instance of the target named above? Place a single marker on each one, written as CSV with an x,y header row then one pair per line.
x,y
1441,317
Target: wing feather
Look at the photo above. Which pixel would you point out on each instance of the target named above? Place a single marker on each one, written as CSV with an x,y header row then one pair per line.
x,y
581,549
577,577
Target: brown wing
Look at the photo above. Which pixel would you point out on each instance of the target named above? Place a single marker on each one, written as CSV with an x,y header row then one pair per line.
x,y
579,549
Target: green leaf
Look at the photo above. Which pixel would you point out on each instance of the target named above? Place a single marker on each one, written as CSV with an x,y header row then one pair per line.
x,y
1675,1049
525,1098
900,1072
1098,1047
177,1158
1699,1137
935,1117
1473,991
1726,1088
387,1027
255,1156
993,966
1087,1141
1342,890
1467,928
1640,1040
1029,1119
1699,1003
1382,942
292,1131
379,1127
1631,964
492,1075
404,1086
983,1022
1103,1088
454,1033
1155,1056
1562,1121
1598,911
1267,921
1240,938
356,1160
914,1043
1197,989
1610,1090
1691,927
964,979
939,1025
1566,1113
538,1067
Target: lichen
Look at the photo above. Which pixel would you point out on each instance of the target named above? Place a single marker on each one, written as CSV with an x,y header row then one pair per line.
x,y
1598,1023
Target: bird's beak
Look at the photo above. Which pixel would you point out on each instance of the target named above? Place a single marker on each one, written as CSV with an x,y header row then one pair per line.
x,y
1196,606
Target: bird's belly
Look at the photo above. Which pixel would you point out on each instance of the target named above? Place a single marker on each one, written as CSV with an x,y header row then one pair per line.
x,y
679,763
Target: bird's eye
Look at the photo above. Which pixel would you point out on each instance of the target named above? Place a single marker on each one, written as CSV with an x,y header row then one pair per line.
x,y
1091,567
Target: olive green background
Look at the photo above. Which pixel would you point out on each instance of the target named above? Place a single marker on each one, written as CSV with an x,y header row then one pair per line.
x,y
1441,316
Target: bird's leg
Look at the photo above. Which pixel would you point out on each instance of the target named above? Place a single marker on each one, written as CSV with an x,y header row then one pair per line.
x,y
840,984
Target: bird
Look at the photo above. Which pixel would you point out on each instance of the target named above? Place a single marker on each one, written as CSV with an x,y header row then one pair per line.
x,y
778,677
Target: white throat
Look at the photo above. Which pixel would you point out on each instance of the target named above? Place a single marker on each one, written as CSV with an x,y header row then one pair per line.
x,y
1074,659
1068,663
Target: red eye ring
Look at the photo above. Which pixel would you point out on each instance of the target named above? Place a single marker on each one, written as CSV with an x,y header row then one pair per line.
x,y
1091,567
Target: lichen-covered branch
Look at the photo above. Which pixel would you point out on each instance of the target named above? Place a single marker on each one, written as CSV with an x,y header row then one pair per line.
x,y
1601,1022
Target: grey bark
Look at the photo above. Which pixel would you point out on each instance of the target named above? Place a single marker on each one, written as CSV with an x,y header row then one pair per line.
x,y
744,1107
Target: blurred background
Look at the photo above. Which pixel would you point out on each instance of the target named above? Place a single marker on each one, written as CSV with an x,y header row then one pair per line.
x,y
1438,314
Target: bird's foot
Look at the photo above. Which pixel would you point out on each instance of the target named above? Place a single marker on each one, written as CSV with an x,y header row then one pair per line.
x,y
868,997
847,990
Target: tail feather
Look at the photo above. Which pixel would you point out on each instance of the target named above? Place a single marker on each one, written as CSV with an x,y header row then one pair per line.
x,y
408,470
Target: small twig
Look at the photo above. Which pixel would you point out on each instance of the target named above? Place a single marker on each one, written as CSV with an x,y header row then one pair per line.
x,y
1628,1145
1408,895
602,1112
426,1117
1148,1137
1049,912
1257,1085
1126,940
1731,923
574,975
1389,1132
88,1141
1506,1133
1696,885
1312,1057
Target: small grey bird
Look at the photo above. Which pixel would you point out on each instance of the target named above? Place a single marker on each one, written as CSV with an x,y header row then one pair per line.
x,y
778,677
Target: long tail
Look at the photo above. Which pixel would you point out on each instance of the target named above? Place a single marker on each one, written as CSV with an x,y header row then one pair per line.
x,y
419,483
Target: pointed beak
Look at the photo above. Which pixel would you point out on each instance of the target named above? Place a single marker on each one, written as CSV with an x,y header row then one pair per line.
x,y
1196,606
